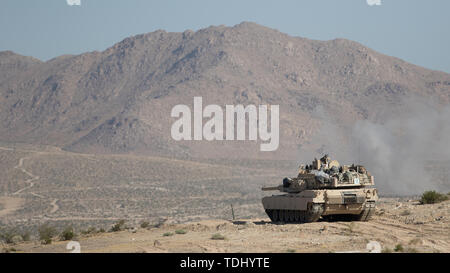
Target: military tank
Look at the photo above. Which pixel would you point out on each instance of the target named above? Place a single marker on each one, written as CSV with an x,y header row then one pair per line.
x,y
323,189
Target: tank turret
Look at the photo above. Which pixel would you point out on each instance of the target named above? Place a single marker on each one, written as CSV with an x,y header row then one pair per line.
x,y
289,185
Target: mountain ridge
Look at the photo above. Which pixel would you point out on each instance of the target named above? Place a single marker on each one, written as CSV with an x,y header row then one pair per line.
x,y
119,100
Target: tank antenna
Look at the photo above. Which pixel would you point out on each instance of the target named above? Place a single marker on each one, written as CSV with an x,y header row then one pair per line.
x,y
232,211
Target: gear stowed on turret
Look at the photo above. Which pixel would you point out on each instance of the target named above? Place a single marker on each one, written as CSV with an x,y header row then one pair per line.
x,y
323,189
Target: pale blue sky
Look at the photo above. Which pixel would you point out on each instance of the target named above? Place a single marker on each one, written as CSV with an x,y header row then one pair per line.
x,y
416,31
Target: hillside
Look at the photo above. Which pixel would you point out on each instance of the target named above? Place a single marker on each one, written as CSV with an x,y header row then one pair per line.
x,y
41,184
119,100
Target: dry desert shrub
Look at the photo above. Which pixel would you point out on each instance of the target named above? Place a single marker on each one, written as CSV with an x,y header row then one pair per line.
x,y
432,197
46,233
217,236
67,234
180,231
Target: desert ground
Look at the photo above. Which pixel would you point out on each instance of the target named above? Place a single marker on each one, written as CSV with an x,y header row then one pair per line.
x,y
399,225
47,185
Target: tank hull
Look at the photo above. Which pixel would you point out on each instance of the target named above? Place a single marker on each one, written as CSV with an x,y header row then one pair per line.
x,y
309,205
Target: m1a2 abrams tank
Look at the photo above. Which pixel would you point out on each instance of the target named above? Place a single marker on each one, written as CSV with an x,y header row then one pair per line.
x,y
323,189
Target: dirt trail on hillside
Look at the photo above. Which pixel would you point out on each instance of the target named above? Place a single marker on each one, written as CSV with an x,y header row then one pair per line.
x,y
29,181
11,203
54,205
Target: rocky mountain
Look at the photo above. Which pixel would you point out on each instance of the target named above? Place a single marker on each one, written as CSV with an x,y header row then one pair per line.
x,y
12,64
119,100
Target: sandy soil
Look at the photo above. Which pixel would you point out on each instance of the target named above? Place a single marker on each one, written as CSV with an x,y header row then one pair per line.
x,y
414,227
10,204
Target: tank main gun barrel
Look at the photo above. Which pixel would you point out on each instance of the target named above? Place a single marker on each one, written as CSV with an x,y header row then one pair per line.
x,y
275,188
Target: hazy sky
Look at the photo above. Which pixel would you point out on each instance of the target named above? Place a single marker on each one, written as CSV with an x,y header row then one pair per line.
x,y
416,31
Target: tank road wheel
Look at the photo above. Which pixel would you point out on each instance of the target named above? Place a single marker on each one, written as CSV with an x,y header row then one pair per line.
x,y
292,216
286,216
275,215
302,216
281,215
297,216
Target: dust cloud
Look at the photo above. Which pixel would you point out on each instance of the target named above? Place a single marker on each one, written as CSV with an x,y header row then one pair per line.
x,y
407,152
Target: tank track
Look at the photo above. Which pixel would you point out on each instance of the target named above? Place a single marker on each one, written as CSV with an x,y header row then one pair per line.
x,y
315,211
296,216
